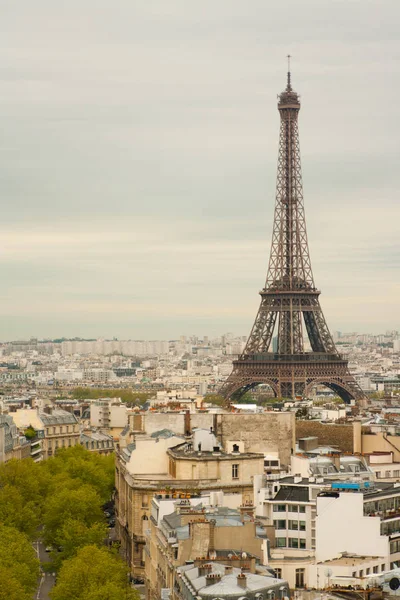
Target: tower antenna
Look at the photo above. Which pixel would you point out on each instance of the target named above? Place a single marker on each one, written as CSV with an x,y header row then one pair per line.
x,y
289,87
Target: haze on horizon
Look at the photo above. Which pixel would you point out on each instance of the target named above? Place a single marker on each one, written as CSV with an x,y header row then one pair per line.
x,y
138,159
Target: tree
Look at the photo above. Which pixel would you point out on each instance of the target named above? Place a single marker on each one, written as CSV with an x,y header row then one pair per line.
x,y
16,512
19,567
82,504
84,467
216,399
93,574
73,536
30,433
27,477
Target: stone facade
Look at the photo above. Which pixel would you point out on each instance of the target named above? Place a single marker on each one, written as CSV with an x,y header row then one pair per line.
x,y
328,434
179,471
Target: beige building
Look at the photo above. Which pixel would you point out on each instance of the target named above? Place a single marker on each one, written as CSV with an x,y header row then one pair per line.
x,y
97,441
177,466
196,529
59,428
271,433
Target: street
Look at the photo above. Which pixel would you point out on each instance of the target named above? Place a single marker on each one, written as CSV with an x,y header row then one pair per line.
x,y
47,580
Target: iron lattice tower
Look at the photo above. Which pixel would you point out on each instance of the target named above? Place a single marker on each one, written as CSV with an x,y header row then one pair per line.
x,y
289,300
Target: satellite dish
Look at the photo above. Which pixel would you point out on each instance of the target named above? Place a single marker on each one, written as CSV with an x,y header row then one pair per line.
x,y
328,572
394,583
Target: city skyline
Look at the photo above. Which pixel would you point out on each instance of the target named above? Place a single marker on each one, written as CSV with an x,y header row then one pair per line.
x,y
138,164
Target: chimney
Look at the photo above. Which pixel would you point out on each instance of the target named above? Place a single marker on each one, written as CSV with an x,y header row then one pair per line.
x,y
242,580
188,429
204,570
336,460
228,570
212,578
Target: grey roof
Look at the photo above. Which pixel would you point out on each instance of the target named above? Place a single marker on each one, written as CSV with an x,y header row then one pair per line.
x,y
57,417
228,585
292,493
164,434
97,436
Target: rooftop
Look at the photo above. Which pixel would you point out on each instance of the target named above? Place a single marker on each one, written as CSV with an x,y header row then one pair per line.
x,y
228,584
58,416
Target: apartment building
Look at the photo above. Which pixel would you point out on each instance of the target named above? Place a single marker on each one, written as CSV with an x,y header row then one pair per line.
x,y
12,444
97,441
222,581
108,413
310,530
196,528
58,428
176,465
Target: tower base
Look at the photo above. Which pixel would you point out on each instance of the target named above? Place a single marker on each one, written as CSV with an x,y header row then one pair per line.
x,y
292,375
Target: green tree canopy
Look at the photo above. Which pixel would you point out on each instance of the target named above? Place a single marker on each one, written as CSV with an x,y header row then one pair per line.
x,y
93,574
84,467
19,567
27,477
82,504
216,399
74,535
16,512
126,395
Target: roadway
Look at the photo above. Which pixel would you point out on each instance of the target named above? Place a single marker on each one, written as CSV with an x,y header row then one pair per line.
x,y
47,580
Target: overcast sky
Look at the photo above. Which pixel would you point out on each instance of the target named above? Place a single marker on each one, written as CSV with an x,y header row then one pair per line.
x,y
138,150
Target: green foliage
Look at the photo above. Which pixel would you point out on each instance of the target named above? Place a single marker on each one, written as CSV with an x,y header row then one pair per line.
x,y
75,466
302,412
22,491
126,395
14,511
215,399
73,535
19,567
30,433
82,504
93,574
247,398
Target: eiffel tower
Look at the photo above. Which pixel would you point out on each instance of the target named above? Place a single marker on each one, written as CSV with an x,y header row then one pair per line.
x,y
289,300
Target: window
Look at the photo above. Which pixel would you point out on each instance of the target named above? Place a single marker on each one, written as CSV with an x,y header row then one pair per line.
x,y
378,474
278,573
280,524
145,500
396,473
302,509
375,569
368,571
235,471
302,525
354,574
302,544
383,567
387,474
361,574
300,578
280,542
294,525
279,507
293,542
293,508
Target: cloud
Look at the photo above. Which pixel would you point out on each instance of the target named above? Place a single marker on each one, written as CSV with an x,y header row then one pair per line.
x,y
138,159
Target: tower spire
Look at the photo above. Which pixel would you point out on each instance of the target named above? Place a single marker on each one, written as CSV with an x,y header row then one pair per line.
x,y
289,86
